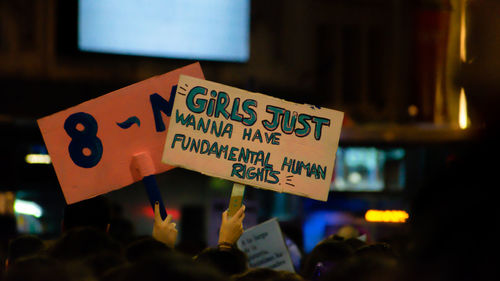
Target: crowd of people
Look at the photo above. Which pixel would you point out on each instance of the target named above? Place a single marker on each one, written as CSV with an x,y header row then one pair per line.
x,y
445,243
92,247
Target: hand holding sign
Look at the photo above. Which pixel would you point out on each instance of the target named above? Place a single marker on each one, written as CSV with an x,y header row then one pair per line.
x,y
231,228
164,230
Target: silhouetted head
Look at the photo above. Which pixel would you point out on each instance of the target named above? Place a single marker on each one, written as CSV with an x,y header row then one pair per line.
x,y
366,268
169,266
355,243
94,212
37,268
348,231
266,274
380,249
326,252
145,247
24,246
83,242
228,261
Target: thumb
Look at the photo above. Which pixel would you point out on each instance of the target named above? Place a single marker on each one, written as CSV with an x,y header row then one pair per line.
x,y
224,216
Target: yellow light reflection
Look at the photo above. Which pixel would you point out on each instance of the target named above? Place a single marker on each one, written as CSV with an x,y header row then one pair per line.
x,y
462,110
395,216
37,159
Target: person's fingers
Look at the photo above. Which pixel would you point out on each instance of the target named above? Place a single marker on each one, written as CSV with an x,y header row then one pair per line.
x,y
157,212
173,225
240,212
240,219
224,216
168,219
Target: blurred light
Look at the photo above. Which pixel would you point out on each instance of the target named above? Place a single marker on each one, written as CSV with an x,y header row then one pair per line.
x,y
27,208
413,110
148,212
37,159
315,225
462,110
397,216
463,33
354,177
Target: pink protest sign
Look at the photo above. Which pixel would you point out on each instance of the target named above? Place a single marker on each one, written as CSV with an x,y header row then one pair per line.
x,y
92,145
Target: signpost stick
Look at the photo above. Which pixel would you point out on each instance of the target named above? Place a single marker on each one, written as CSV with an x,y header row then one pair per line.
x,y
144,164
236,198
154,194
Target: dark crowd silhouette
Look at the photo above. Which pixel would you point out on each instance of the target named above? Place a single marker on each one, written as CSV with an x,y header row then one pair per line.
x,y
450,238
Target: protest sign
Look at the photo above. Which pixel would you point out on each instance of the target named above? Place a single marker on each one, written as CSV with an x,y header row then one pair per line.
x,y
253,139
265,247
92,145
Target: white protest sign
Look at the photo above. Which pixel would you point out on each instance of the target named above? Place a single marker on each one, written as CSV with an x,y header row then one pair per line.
x,y
265,246
252,139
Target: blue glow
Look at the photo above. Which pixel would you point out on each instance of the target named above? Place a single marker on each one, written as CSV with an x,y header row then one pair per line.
x,y
316,224
190,29
314,229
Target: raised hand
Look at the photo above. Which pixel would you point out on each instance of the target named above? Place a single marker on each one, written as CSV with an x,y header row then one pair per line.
x,y
164,230
231,228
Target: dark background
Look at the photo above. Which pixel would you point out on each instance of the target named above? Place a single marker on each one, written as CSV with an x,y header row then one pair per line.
x,y
372,59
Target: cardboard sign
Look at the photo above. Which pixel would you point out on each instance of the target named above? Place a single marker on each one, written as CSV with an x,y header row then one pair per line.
x,y
92,144
252,138
265,247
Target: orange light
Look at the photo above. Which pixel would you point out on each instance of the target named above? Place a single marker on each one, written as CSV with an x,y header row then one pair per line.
x,y
463,33
394,216
462,111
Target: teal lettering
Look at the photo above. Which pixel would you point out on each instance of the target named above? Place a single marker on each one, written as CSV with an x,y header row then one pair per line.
x,y
247,133
306,128
222,103
180,118
205,145
257,135
199,105
214,149
234,112
177,137
276,112
238,170
288,123
214,129
232,154
243,155
246,106
201,125
319,123
228,129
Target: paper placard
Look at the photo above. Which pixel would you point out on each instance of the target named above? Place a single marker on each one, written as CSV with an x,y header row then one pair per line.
x,y
265,247
91,145
252,138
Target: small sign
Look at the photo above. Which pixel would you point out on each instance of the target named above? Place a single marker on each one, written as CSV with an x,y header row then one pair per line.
x,y
265,247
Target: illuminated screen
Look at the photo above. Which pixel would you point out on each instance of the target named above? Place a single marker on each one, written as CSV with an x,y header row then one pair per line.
x,y
369,169
188,29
